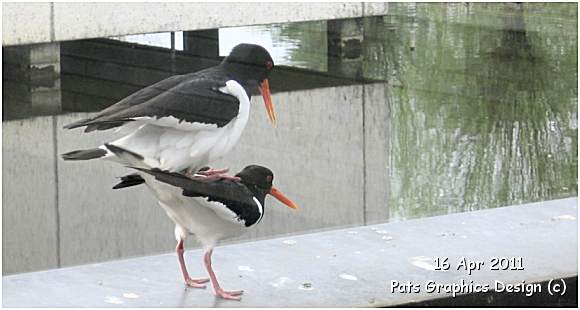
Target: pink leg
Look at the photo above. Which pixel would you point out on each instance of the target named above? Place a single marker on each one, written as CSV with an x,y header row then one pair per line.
x,y
218,291
197,283
212,174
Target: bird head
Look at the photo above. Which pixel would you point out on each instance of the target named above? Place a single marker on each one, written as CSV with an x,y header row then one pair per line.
x,y
250,65
260,179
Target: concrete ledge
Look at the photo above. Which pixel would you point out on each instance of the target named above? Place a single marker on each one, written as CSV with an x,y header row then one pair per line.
x,y
346,267
27,23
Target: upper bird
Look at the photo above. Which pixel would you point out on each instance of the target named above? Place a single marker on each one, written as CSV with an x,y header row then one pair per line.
x,y
186,121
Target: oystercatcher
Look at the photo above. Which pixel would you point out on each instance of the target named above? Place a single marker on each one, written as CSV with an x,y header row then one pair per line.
x,y
186,121
210,209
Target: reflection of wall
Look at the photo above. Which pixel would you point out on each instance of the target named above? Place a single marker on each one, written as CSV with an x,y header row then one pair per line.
x,y
96,73
66,212
31,80
89,75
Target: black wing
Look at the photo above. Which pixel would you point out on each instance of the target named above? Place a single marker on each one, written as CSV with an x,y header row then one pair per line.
x,y
233,195
192,98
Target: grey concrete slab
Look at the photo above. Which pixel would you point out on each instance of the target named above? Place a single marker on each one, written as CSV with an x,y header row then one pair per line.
x,y
24,23
98,223
71,21
377,139
346,267
29,219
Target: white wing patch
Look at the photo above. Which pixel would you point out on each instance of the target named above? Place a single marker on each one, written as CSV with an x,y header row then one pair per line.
x,y
260,209
224,212
173,122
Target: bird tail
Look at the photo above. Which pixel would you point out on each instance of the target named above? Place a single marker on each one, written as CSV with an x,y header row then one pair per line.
x,y
130,180
122,155
82,122
84,154
130,159
126,157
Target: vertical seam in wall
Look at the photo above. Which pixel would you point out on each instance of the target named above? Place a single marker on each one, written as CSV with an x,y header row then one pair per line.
x,y
364,133
172,54
56,194
55,156
364,154
387,93
52,35
362,10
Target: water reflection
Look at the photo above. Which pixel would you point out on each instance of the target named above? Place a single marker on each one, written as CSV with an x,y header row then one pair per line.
x,y
480,112
300,45
483,110
482,97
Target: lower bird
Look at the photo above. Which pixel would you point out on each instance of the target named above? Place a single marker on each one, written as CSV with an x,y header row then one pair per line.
x,y
211,209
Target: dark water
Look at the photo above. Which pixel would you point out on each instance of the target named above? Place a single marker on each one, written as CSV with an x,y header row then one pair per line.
x,y
483,100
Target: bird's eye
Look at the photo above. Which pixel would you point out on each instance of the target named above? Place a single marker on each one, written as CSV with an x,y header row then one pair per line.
x,y
269,178
269,65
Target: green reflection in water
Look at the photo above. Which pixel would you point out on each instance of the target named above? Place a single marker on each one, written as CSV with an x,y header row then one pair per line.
x,y
482,100
483,105
300,44
307,50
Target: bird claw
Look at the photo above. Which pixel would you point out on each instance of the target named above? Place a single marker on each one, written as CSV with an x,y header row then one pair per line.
x,y
230,295
196,283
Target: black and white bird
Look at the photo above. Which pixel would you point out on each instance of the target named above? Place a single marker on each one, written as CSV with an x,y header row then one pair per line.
x,y
210,209
186,121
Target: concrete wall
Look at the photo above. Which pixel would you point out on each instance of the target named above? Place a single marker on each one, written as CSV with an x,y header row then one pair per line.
x,y
25,23
328,154
29,195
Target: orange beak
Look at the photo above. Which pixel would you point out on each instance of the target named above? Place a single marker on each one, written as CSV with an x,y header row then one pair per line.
x,y
283,199
265,91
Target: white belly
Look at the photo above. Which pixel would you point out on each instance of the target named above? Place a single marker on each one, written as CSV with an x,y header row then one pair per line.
x,y
192,215
175,150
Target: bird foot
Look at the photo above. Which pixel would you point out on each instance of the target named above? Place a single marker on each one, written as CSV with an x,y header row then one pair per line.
x,y
210,174
207,171
231,295
220,176
196,283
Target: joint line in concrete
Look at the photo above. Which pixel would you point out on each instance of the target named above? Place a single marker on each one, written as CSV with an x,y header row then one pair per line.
x,y
364,153
52,35
56,195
